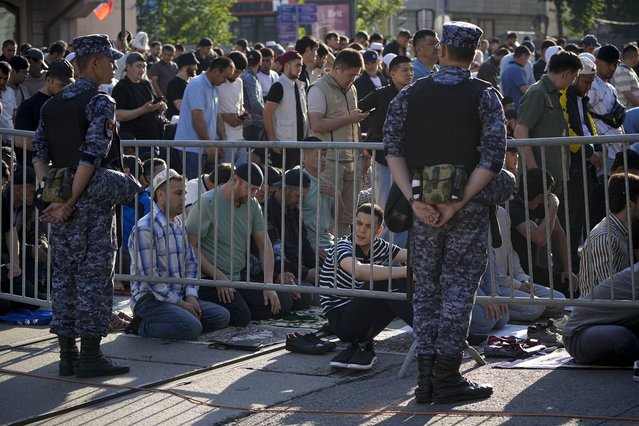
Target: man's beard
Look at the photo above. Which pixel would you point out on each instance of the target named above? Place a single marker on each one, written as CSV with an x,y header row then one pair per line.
x,y
239,201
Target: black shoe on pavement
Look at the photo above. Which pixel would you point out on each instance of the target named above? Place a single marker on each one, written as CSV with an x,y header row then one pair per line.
x,y
330,346
133,326
341,359
307,344
364,357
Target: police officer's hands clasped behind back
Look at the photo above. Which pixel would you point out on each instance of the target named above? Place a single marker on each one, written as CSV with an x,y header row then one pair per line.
x,y
77,132
452,175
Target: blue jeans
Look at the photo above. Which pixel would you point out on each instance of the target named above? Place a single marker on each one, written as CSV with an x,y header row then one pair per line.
x,y
169,321
193,162
480,324
604,345
531,312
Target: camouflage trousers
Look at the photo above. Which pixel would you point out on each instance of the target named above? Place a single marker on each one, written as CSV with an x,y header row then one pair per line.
x,y
448,263
83,261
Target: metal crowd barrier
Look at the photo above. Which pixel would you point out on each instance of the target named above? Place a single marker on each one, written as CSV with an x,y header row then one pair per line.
x,y
17,289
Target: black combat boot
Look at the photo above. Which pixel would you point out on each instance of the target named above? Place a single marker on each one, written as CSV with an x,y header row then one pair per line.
x,y
424,389
450,386
68,356
93,363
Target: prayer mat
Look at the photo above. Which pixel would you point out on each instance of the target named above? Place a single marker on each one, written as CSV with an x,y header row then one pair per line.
x,y
311,319
253,335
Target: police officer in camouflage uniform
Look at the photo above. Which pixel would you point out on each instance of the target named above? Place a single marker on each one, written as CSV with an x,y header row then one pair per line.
x,y
77,130
448,242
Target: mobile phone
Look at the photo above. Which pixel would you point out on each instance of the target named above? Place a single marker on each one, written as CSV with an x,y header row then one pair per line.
x,y
157,99
243,116
372,110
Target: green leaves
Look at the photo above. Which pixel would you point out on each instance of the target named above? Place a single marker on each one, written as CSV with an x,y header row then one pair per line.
x,y
185,21
373,14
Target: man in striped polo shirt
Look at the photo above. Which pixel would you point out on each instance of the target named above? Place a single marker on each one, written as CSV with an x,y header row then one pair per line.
x,y
357,262
607,251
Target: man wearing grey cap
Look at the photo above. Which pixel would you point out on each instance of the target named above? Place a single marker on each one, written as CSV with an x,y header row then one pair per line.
x,y
37,69
77,131
448,240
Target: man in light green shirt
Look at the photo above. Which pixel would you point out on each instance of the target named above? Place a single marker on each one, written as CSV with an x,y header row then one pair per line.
x,y
318,223
221,225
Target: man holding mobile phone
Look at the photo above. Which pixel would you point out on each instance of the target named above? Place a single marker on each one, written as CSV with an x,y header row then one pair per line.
x,y
139,108
376,103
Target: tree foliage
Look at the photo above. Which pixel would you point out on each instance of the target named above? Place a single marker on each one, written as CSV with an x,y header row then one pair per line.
x,y
373,14
185,21
580,16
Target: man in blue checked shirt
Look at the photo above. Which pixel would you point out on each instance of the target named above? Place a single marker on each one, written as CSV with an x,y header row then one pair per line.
x,y
159,249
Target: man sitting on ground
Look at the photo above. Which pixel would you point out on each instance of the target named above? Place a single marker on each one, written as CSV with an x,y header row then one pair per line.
x,y
358,320
538,224
167,310
290,246
607,250
605,335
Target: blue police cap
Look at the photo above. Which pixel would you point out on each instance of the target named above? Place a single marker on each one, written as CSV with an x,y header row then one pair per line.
x,y
95,43
461,34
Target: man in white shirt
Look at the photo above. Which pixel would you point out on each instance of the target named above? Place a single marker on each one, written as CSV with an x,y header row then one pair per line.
x,y
266,75
232,114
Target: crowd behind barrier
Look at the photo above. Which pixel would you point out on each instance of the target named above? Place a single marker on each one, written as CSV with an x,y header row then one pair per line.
x,y
21,289
264,176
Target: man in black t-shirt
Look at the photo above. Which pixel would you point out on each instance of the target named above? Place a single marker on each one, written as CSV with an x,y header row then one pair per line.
x,y
539,224
138,110
187,67
204,54
59,75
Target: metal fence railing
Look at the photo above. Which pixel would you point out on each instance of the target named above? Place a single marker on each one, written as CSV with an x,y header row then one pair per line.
x,y
32,286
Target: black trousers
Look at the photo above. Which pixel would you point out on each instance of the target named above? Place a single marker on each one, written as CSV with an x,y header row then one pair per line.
x,y
361,319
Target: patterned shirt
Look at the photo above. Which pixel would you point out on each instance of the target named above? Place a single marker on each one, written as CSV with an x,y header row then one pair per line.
x,y
253,97
493,135
602,98
100,112
596,258
156,253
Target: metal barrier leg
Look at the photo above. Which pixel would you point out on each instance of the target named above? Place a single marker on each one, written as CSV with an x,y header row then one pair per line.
x,y
409,357
475,355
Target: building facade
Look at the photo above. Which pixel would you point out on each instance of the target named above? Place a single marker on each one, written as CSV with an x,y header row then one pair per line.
x,y
41,22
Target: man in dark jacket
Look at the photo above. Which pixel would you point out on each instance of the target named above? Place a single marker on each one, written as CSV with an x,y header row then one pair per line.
x,y
489,70
371,79
401,71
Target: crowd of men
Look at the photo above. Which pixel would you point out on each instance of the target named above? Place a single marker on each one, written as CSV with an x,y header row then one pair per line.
x,y
297,217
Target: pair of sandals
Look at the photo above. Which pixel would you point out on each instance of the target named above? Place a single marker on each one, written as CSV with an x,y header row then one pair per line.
x,y
119,322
